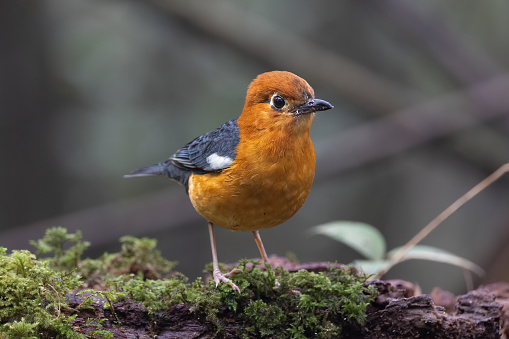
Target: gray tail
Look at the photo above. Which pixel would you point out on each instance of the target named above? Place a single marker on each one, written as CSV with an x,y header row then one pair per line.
x,y
148,171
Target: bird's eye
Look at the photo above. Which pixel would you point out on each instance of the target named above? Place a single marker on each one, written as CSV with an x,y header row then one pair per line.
x,y
277,101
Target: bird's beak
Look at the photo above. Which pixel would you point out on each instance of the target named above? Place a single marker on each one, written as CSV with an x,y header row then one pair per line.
x,y
312,105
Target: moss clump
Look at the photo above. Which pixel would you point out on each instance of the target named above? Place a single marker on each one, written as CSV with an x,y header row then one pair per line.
x,y
66,248
32,296
305,304
154,294
137,257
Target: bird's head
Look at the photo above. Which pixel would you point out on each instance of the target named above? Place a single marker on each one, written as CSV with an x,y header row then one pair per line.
x,y
282,97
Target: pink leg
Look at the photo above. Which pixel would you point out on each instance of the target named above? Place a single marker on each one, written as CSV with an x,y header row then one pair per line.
x,y
216,273
259,243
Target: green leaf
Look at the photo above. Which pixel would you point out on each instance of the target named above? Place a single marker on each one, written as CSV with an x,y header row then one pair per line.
x,y
438,255
362,237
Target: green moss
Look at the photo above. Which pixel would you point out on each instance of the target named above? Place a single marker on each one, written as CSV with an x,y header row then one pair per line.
x,y
19,329
65,256
264,319
137,256
272,303
154,294
32,296
305,304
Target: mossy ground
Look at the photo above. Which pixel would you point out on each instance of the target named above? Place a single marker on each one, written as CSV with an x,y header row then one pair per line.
x,y
34,292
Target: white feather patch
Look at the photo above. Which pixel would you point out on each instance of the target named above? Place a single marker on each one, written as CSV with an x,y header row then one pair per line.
x,y
217,162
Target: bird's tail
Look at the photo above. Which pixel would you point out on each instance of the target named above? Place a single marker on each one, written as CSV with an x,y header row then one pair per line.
x,y
148,171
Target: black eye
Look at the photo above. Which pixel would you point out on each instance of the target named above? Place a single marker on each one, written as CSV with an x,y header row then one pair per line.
x,y
277,101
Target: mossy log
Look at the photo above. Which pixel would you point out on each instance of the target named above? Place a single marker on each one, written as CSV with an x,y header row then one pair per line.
x,y
135,294
398,311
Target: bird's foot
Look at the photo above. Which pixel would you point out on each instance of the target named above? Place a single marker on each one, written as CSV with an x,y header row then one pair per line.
x,y
218,277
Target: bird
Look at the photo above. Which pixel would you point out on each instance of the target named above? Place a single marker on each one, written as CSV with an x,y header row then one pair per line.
x,y
255,171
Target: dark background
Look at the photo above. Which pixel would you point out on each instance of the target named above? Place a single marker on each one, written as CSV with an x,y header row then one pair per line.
x,y
90,90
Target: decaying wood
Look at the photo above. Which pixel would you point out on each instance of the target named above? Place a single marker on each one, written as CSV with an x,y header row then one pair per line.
x,y
476,314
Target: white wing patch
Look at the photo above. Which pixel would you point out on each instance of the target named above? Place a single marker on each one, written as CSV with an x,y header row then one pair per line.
x,y
217,162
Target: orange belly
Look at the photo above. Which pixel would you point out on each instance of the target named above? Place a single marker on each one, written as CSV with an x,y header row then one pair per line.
x,y
254,196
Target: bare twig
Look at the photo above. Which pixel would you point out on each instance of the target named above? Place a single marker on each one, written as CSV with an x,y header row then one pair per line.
x,y
398,257
58,298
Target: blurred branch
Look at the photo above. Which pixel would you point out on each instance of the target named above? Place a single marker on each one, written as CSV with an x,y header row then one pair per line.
x,y
455,52
414,126
226,21
101,225
459,56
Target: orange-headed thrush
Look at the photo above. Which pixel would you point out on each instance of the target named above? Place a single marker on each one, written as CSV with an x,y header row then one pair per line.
x,y
255,171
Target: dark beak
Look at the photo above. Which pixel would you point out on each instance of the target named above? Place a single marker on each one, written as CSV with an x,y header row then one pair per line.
x,y
312,105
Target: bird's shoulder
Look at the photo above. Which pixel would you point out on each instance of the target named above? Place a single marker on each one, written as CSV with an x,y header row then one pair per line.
x,y
210,152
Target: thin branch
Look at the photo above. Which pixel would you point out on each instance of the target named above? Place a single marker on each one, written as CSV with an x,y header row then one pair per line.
x,y
398,257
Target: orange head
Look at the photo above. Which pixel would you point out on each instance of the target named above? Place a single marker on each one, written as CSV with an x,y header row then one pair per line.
x,y
282,99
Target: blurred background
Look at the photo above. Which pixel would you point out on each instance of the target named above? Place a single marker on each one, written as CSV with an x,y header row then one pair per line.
x,y
90,90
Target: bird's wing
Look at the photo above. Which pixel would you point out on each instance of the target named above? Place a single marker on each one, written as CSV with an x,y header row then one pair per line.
x,y
211,152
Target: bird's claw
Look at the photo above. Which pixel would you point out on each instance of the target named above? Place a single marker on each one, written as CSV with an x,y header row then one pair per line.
x,y
218,277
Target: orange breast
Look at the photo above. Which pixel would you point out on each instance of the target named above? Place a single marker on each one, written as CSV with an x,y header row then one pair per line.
x,y
266,184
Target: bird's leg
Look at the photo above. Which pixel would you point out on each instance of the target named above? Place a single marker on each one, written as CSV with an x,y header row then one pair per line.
x,y
216,273
259,243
